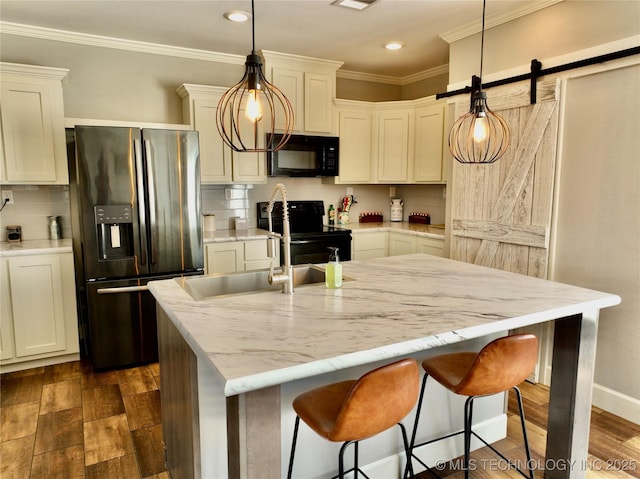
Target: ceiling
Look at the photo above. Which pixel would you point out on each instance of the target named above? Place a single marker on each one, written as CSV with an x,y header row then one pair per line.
x,y
312,28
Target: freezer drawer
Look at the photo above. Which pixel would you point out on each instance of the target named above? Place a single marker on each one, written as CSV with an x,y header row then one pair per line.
x,y
122,323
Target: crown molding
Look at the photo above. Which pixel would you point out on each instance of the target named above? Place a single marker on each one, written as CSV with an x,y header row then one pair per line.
x,y
391,80
204,55
117,43
495,20
33,71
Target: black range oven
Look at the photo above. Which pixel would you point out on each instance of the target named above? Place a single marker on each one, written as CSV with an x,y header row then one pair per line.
x,y
310,238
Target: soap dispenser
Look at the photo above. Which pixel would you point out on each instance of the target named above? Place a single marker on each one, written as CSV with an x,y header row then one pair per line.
x,y
333,272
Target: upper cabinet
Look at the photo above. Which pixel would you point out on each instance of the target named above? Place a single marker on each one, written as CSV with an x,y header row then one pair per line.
x,y
310,86
355,129
396,142
33,138
218,163
429,142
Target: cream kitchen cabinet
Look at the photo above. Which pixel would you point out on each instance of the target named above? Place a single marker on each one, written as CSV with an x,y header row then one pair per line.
x,y
39,324
400,243
235,256
218,163
310,86
393,142
369,245
430,246
429,141
399,142
355,125
33,137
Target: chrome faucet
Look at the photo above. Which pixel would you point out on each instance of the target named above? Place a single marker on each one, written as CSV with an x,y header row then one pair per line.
x,y
285,277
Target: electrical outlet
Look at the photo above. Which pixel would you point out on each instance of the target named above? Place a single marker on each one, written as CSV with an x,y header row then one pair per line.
x,y
7,195
349,190
392,191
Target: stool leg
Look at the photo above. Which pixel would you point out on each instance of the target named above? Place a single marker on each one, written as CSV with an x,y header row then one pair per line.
x,y
293,446
407,450
409,466
524,433
341,458
468,418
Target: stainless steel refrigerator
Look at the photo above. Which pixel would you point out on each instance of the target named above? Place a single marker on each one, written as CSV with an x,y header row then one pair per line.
x,y
136,217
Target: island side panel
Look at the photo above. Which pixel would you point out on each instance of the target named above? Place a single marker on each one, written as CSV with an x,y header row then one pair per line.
x,y
574,351
179,399
253,431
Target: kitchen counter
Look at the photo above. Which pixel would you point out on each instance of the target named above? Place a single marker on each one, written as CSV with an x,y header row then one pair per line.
x,y
251,345
223,236
417,229
31,247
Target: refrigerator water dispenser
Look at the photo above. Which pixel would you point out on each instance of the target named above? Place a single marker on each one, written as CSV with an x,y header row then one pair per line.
x,y
114,225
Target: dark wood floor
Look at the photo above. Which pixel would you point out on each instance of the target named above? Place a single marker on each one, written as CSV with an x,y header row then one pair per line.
x,y
67,422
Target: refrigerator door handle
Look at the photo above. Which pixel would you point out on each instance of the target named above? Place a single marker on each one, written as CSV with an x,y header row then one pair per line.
x,y
141,201
123,289
152,203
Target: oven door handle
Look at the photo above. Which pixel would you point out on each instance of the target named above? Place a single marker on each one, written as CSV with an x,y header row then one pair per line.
x,y
302,241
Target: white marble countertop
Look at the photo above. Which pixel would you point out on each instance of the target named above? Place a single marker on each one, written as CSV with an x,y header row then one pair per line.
x,y
31,247
416,229
224,236
394,306
432,231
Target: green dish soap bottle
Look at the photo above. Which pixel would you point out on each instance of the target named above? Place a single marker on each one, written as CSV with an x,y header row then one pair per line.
x,y
333,272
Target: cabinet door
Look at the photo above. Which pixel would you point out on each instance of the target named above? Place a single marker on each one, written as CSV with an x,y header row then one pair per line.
x,y
431,246
6,315
291,83
37,304
428,142
255,255
355,146
393,145
224,257
369,245
318,103
215,156
401,244
33,132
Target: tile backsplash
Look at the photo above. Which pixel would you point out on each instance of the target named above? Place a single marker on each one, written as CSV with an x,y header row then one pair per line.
x,y
33,204
31,207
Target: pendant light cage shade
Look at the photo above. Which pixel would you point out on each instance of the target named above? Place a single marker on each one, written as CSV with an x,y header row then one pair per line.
x,y
254,96
480,136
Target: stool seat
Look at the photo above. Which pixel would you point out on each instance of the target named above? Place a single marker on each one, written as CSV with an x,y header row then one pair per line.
x,y
353,410
500,366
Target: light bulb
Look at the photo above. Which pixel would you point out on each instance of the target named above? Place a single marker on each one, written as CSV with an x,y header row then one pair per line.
x,y
480,129
253,111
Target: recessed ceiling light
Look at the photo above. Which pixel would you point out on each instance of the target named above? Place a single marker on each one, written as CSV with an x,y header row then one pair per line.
x,y
236,16
354,4
394,45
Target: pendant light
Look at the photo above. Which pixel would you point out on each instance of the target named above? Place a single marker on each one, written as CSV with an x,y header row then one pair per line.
x,y
251,102
480,136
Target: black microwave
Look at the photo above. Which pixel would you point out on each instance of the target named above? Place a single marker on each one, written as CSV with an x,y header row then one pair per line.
x,y
304,156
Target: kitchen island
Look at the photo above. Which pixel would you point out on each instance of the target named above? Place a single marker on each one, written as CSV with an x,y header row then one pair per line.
x,y
227,363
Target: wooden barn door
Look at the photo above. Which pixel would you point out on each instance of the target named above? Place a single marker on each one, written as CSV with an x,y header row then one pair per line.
x,y
501,213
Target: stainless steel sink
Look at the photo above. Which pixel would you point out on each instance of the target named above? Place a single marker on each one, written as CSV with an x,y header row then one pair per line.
x,y
216,286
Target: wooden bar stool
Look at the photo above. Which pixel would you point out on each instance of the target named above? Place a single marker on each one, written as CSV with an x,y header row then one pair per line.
x,y
501,365
350,411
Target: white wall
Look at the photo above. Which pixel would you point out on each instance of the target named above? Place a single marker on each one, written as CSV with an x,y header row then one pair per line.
x,y
597,243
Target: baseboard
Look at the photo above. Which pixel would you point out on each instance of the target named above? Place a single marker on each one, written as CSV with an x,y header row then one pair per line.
x,y
433,454
616,403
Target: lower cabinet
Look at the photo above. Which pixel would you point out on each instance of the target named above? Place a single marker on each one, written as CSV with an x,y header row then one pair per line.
x,y
234,256
39,322
369,245
382,243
